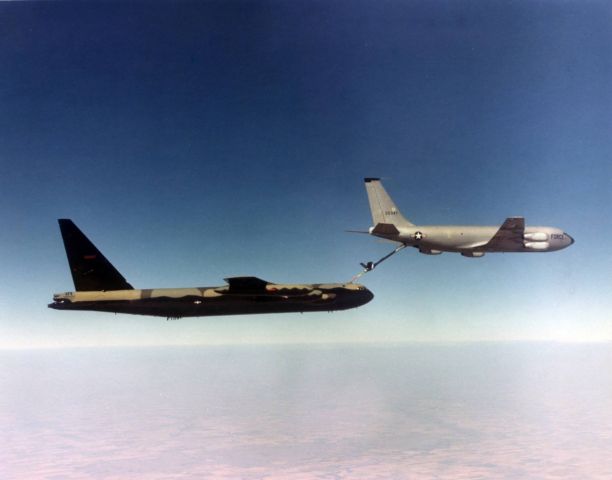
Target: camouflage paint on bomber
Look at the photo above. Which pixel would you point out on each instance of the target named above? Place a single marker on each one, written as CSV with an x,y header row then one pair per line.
x,y
100,287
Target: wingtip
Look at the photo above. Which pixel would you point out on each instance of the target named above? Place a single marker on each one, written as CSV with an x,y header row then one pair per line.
x,y
371,179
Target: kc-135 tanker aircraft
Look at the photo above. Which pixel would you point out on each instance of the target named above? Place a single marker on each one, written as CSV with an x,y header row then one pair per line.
x,y
469,241
100,287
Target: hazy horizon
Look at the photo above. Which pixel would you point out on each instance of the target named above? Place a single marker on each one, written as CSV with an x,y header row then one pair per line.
x,y
315,344
298,412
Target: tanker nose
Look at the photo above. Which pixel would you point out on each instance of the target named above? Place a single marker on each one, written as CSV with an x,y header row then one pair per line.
x,y
570,238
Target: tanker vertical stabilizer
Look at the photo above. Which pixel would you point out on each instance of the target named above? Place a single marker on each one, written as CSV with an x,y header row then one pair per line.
x,y
382,206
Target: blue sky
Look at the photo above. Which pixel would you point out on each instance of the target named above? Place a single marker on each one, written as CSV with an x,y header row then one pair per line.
x,y
192,142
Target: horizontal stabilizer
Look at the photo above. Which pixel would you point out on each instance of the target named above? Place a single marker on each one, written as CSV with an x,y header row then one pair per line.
x,y
90,270
385,229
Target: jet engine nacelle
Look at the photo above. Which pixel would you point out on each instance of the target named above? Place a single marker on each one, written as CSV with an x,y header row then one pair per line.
x,y
536,237
473,254
429,252
537,245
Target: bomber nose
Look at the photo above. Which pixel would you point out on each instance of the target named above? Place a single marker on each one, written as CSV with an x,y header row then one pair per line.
x,y
368,295
571,239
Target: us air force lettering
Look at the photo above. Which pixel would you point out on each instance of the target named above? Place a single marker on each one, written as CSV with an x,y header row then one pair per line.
x,y
469,241
100,287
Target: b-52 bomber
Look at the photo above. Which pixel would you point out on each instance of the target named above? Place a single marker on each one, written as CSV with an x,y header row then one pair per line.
x,y
469,241
100,287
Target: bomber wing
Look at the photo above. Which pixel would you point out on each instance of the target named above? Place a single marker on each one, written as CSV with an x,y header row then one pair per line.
x,y
256,287
244,286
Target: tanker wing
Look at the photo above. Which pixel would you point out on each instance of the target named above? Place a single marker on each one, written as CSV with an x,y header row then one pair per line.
x,y
509,234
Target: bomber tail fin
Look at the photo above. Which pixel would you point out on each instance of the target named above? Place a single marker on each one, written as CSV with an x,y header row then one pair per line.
x,y
382,207
91,271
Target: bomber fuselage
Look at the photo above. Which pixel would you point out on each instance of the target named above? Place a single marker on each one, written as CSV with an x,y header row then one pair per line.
x,y
223,300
